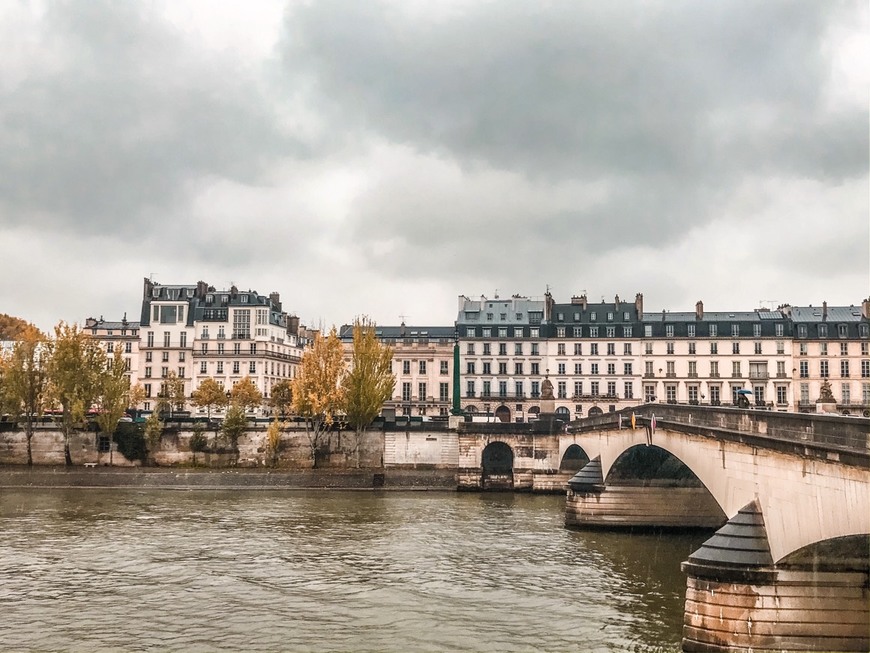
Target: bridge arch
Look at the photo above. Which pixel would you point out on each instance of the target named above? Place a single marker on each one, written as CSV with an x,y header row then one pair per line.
x,y
497,466
573,459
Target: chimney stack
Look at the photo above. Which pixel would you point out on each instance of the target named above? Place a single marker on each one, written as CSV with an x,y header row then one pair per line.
x,y
824,311
865,308
699,310
616,302
275,300
638,305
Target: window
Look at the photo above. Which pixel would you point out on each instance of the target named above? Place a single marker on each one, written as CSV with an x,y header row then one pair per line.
x,y
823,369
518,389
445,367
164,372
626,332
578,368
422,367
502,349
502,369
805,393
593,349
406,367
470,332
165,356
757,348
110,347
781,395
536,389
489,317
690,330
561,368
649,393
421,391
735,330
865,393
235,367
865,369
593,389
406,391
487,389
647,330
469,367
823,331
693,369
469,349
802,330
469,389
148,356
147,389
237,348
823,348
204,348
518,349
669,331
487,368
863,330
756,330
486,349
626,369
180,372
610,317
715,398
670,348
578,388
252,367
518,369
535,349
671,393
648,369
865,349
610,332
846,393
128,347
561,349
648,348
220,347
735,369
628,390
560,332
780,329
626,349
593,332
536,370
253,348
518,332
594,368
714,348
593,316
202,368
502,332
578,349
578,332
714,330
611,349
670,369
611,369
780,369
561,391
844,368
844,349
150,339
802,350
611,388
735,347
714,369
804,370
691,348
534,332
780,347
693,393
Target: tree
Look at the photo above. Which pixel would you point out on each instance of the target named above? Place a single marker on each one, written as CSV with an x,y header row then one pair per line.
x,y
210,394
281,398
13,328
198,441
246,395
273,441
153,433
171,396
113,396
74,367
318,393
234,425
370,381
24,381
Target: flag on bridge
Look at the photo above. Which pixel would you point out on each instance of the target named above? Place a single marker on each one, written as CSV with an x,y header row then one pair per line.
x,y
633,421
652,423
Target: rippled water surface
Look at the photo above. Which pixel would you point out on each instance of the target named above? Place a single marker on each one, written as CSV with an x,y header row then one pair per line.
x,y
90,570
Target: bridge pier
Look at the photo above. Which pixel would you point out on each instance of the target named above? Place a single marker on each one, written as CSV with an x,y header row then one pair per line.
x,y
739,601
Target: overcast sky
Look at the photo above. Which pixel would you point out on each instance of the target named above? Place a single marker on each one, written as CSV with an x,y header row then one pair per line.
x,y
382,158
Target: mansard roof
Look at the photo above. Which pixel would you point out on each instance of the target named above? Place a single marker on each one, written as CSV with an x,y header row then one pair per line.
x,y
834,314
400,332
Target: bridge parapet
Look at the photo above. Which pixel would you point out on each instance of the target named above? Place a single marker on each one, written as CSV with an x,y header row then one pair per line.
x,y
826,433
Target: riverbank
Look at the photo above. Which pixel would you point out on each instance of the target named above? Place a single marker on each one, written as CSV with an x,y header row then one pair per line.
x,y
213,479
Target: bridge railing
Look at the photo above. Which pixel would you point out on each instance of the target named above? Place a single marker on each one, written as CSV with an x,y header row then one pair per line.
x,y
833,432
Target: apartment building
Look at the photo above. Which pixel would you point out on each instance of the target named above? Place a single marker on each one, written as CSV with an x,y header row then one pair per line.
x,y
422,365
121,335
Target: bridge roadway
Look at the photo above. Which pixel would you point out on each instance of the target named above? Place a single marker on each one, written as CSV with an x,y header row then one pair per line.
x,y
788,570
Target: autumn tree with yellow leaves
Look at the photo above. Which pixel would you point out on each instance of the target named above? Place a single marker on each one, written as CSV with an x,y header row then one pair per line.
x,y
318,390
370,380
24,380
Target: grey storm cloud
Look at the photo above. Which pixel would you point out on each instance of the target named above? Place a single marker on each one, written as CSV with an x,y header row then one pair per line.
x,y
116,114
672,104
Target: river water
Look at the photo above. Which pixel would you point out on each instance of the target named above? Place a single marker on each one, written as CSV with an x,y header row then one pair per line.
x,y
160,570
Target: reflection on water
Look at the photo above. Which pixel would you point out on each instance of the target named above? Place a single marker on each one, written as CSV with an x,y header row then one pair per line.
x,y
93,570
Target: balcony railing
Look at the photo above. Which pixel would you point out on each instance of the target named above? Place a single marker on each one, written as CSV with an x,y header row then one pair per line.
x,y
759,375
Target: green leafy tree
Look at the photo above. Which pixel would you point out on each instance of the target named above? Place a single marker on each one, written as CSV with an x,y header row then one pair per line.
x,y
234,425
198,441
74,367
24,381
281,399
113,396
153,434
369,382
318,393
246,395
210,394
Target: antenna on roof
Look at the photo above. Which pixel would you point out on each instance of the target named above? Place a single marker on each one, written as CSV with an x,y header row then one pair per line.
x,y
402,317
